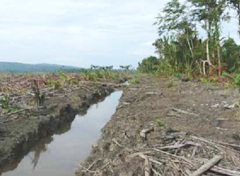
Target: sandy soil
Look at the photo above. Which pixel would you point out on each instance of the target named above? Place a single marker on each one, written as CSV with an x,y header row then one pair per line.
x,y
162,104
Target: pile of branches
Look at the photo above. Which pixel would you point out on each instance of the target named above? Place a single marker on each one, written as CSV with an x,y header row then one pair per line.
x,y
179,154
182,154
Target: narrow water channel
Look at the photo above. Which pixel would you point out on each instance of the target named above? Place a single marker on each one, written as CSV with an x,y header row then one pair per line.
x,y
59,155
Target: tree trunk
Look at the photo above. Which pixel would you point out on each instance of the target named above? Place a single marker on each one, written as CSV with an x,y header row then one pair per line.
x,y
190,48
219,59
207,61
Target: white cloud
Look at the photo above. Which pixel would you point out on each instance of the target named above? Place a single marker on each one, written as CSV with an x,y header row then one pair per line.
x,y
78,32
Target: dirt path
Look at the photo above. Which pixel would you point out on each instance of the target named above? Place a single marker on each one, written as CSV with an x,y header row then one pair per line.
x,y
162,105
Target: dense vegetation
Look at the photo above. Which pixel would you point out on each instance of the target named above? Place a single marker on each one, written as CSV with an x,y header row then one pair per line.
x,y
182,51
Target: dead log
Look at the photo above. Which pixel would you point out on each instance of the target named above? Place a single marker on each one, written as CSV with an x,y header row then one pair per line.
x,y
184,112
147,166
187,144
224,171
207,166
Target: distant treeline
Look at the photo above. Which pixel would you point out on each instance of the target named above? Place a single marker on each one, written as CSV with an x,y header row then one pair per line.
x,y
14,67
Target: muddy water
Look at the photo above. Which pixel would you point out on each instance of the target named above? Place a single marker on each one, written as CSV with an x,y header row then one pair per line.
x,y
59,155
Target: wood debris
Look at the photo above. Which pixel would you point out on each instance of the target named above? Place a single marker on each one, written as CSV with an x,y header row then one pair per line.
x,y
184,155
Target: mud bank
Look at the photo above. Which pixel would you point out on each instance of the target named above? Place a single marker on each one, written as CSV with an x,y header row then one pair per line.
x,y
25,129
151,114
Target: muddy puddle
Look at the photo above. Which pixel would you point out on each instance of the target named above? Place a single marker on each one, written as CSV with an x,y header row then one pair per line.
x,y
60,154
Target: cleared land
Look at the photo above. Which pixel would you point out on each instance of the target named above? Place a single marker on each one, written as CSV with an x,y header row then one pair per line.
x,y
169,127
30,112
162,126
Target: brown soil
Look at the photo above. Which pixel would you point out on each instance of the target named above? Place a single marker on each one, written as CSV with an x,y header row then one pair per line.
x,y
20,130
165,105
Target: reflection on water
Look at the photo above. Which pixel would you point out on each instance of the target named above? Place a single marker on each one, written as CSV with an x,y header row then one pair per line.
x,y
58,155
37,152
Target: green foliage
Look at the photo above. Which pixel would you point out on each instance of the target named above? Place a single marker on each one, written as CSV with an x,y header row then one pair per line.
x,y
4,102
181,50
148,65
231,55
90,75
134,80
160,122
213,79
237,80
63,76
53,83
203,80
225,74
6,105
237,104
61,79
98,72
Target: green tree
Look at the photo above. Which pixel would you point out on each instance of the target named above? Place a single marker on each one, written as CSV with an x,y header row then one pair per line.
x,y
148,65
179,47
178,42
211,14
231,55
126,67
235,4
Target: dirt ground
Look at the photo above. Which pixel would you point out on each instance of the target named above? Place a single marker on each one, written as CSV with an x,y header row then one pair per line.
x,y
162,106
21,129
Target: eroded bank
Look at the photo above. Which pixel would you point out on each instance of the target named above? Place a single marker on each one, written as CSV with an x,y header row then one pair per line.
x,y
19,134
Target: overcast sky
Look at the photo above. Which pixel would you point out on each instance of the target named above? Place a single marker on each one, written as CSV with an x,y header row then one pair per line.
x,y
79,32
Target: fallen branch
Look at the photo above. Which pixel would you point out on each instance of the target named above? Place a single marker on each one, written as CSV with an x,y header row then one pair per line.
x,y
154,93
155,161
145,131
105,165
89,168
207,166
229,145
175,156
86,170
223,171
116,142
93,164
156,172
147,166
206,141
184,112
140,154
180,146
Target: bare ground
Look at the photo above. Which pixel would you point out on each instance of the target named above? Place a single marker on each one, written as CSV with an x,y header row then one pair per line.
x,y
21,129
200,114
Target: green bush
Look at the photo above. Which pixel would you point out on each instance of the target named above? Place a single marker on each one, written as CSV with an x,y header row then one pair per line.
x,y
160,122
